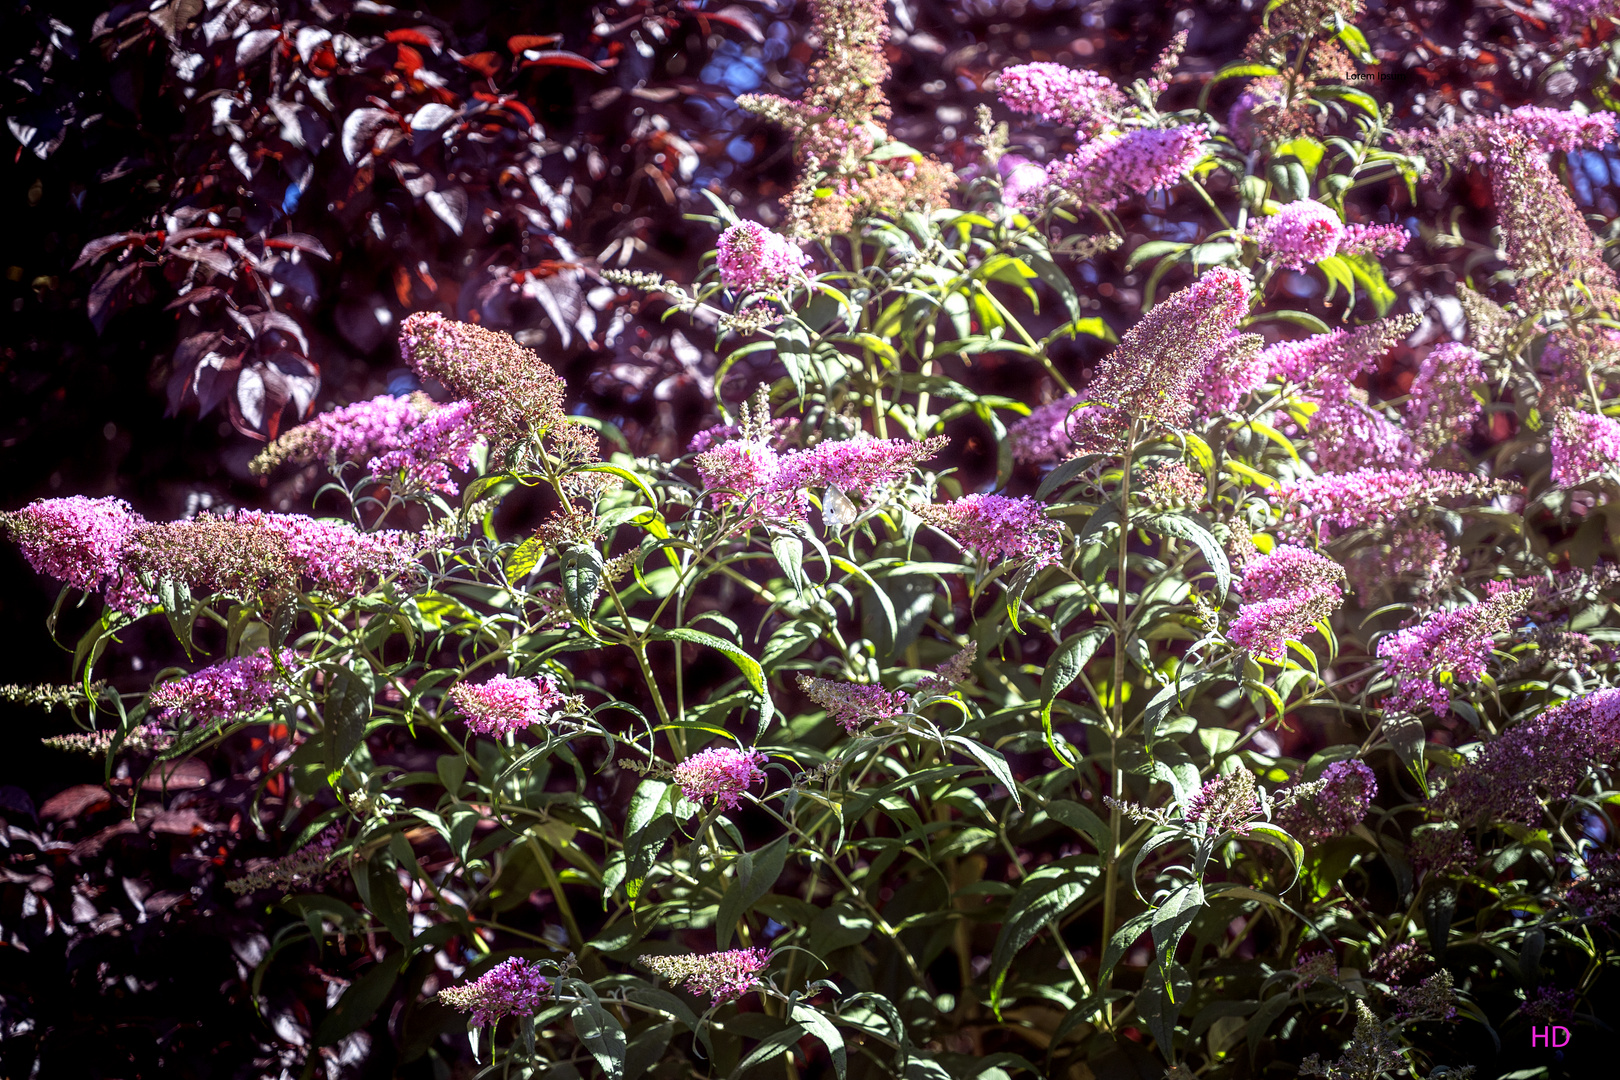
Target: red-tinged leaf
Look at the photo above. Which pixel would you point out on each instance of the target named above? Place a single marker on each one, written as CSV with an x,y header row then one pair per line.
x,y
176,776
109,292
266,321
213,379
524,42
561,58
451,207
200,295
421,35
78,799
513,105
212,257
410,61
487,64
299,242
734,15
180,236
101,245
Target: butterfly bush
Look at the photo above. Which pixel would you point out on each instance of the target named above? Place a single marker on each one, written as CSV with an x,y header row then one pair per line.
x,y
1219,680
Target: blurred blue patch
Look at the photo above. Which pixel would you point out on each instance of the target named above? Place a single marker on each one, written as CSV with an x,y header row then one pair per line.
x,y
733,69
740,150
402,381
289,201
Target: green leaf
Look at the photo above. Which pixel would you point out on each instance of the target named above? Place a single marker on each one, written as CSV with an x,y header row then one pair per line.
x,y
386,899
1151,250
756,872
1064,473
1170,922
1064,667
1338,273
1356,42
1306,149
991,760
175,596
823,1029
1370,273
769,1049
623,474
789,552
1159,1003
1407,737
346,712
359,1002
1083,819
1132,929
745,663
601,1035
1359,98
1193,528
582,569
1277,838
521,563
1298,318
1039,900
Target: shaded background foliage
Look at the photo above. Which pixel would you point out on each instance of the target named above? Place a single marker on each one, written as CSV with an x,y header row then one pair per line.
x,y
201,247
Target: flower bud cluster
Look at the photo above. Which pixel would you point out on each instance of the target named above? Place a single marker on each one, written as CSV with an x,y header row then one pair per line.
x,y
230,689
722,773
723,976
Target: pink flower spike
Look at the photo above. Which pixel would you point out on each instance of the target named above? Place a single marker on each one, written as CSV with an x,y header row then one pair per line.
x,y
1456,644
1305,231
852,704
998,527
724,976
443,440
720,772
228,690
512,988
1111,168
1584,446
503,705
80,542
751,258
1078,99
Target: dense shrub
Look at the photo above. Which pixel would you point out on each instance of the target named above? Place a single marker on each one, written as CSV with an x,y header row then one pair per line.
x,y
1246,707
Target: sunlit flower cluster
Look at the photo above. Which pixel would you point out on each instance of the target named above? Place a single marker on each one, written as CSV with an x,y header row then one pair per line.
x,y
723,976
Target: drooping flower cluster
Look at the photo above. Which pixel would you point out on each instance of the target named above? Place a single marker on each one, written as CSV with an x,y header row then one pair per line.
x,y
1441,407
513,987
1070,97
1373,1051
837,129
1446,648
1415,555
1547,756
723,976
1395,962
232,688
1306,231
1548,243
1324,506
1435,998
140,739
1229,802
1584,446
504,705
1111,168
309,866
514,396
949,675
720,772
749,474
1154,372
81,543
249,552
424,456
751,258
1329,806
998,527
1547,130
853,704
1440,850
355,432
1285,593
1315,967
1327,363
